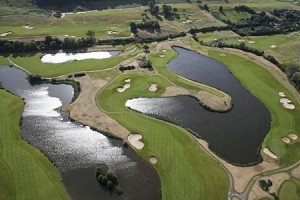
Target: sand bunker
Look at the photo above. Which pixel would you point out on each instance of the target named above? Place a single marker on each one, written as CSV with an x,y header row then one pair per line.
x,y
113,27
28,26
241,40
293,136
198,20
286,140
153,87
72,36
162,55
164,50
5,34
281,94
251,42
153,160
127,80
273,46
134,140
287,103
125,87
269,153
112,32
64,57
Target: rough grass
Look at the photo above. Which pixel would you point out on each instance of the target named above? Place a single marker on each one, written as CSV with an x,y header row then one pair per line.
x,y
265,87
25,172
186,171
288,190
286,50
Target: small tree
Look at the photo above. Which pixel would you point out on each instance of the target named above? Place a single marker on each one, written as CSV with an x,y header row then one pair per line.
x,y
90,34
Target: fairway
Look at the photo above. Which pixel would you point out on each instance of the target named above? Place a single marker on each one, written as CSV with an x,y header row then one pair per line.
x,y
186,171
25,172
265,87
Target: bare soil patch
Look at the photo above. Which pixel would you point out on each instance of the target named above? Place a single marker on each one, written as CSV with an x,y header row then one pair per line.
x,y
85,110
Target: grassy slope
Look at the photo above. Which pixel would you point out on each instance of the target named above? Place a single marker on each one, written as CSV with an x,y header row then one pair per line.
x,y
287,46
25,172
265,87
35,66
288,190
209,38
186,171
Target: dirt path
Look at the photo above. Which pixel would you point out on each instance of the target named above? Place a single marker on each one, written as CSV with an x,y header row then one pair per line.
x,y
85,110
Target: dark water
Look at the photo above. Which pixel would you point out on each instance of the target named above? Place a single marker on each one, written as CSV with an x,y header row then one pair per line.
x,y
236,135
75,149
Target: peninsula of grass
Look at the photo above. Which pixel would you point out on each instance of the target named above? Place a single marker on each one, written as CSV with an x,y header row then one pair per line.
x,y
186,171
288,190
25,172
262,84
33,64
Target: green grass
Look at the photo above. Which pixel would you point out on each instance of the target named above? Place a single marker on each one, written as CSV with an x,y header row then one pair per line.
x,y
161,62
286,50
25,172
33,64
209,38
265,87
288,191
232,15
186,171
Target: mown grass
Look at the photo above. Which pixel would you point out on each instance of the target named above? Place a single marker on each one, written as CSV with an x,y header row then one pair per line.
x,y
33,64
25,172
265,87
160,65
186,171
286,50
288,190
209,38
232,15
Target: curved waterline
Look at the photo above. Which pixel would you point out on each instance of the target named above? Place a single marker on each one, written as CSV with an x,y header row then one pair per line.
x,y
235,136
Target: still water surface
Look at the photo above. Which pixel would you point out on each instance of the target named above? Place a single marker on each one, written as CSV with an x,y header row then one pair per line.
x,y
236,135
75,149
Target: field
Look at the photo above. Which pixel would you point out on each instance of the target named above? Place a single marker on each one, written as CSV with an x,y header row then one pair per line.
x,y
288,190
265,87
25,172
33,64
285,48
187,174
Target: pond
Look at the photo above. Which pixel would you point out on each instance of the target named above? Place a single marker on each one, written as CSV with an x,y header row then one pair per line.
x,y
75,149
70,57
235,136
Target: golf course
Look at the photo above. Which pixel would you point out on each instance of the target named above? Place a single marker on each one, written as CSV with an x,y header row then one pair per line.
x,y
185,100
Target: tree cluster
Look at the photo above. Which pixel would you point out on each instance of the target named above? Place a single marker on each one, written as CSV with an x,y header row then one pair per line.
x,y
148,25
242,46
244,8
108,178
169,12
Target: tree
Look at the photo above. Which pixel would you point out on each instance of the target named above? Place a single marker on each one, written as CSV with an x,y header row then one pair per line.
x,y
221,9
133,27
90,34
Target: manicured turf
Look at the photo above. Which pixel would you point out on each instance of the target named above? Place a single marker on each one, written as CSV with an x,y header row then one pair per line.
x,y
232,15
209,38
265,87
25,172
288,190
33,64
186,171
286,48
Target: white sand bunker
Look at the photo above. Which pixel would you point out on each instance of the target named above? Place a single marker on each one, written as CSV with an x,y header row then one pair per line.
x,y
251,42
113,27
64,57
198,20
162,55
134,140
127,80
281,94
293,136
5,34
125,87
287,103
153,160
72,36
269,153
286,140
112,32
28,26
273,46
153,87
241,40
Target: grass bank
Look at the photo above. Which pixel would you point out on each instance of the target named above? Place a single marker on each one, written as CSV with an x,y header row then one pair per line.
x,y
25,172
186,171
265,87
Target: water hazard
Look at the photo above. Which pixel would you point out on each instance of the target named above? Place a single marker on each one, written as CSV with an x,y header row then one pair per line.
x,y
75,149
236,135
